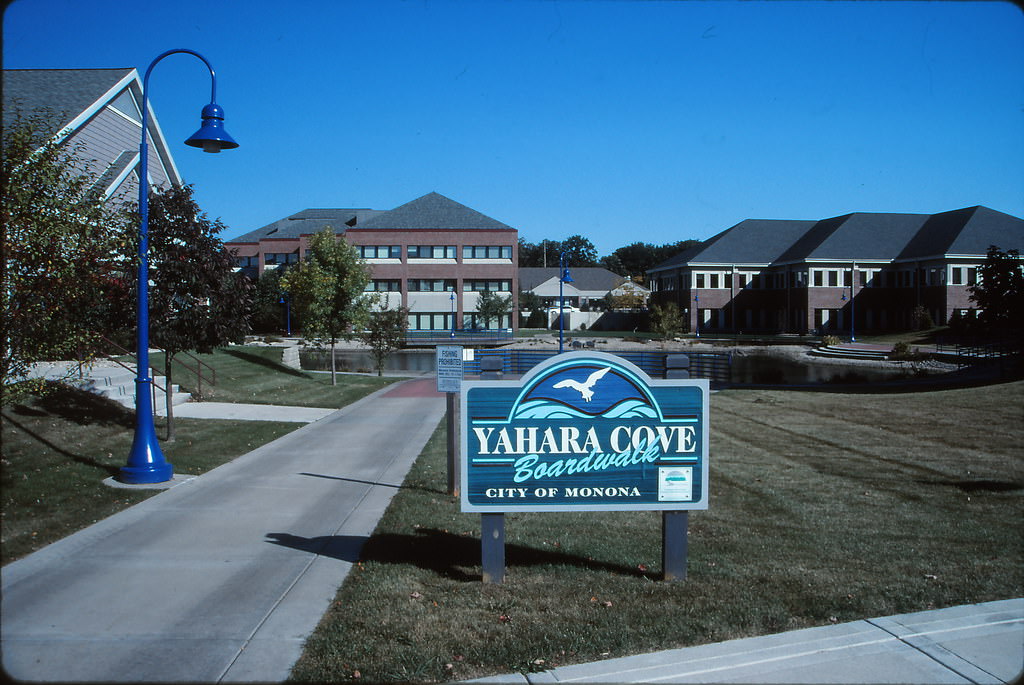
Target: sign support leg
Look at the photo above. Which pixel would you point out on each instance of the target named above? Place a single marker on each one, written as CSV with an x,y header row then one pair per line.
x,y
452,417
674,544
492,547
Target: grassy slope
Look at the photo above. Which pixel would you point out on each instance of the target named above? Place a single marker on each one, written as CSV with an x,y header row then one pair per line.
x,y
825,507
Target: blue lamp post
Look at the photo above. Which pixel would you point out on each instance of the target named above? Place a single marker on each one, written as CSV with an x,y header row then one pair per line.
x,y
563,278
146,463
453,314
696,307
853,304
286,300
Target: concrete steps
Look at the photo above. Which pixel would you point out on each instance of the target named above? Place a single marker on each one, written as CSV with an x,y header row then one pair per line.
x,y
105,378
850,353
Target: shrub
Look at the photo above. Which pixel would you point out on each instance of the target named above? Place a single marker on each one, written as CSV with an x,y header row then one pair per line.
x,y
830,340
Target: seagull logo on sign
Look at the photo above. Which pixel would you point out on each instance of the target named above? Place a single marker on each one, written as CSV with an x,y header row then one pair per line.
x,y
586,389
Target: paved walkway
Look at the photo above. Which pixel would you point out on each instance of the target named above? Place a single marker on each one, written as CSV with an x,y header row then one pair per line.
x,y
978,643
246,412
222,577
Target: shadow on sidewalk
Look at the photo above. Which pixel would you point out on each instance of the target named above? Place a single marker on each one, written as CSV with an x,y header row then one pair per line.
x,y
452,556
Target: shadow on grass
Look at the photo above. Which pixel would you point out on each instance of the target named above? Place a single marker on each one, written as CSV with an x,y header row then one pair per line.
x,y
78,406
88,461
262,361
452,556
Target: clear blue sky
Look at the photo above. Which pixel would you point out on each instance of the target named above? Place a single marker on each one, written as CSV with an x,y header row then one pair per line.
x,y
618,120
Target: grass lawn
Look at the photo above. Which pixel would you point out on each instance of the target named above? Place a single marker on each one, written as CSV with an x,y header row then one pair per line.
x,y
58,449
255,375
825,507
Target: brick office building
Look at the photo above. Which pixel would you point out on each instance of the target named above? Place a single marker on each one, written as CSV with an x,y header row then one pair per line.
x,y
861,271
432,255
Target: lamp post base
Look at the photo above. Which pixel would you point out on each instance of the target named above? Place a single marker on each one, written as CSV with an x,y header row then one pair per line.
x,y
146,463
152,473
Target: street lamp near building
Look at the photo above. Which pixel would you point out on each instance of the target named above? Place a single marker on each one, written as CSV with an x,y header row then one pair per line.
x,y
696,309
146,463
563,278
853,303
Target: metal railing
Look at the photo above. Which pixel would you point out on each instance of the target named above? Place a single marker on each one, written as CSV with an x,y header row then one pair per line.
x,y
198,371
458,337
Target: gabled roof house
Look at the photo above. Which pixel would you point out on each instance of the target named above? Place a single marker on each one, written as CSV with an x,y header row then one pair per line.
x,y
95,113
859,271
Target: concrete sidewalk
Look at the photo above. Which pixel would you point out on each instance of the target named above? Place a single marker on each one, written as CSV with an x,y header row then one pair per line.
x,y
221,577
246,412
977,643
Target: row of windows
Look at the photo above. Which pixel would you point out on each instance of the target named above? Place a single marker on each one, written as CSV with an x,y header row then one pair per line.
x,y
819,278
380,251
392,252
442,321
423,285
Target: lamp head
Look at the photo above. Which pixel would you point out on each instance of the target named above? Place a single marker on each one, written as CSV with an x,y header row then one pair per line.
x,y
566,276
211,136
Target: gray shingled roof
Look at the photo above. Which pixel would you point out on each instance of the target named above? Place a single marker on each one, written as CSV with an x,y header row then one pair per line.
x,y
308,222
65,92
967,231
752,241
432,211
861,235
584,278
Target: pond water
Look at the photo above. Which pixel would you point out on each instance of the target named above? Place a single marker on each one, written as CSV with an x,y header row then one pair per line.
x,y
746,369
775,370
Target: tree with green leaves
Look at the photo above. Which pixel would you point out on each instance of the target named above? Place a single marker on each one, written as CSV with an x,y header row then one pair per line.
x,y
579,252
666,320
999,292
491,306
385,333
197,301
327,291
60,285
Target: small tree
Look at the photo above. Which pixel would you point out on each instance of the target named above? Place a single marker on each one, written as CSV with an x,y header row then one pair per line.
x,y
197,301
999,292
327,291
492,306
58,280
666,320
385,333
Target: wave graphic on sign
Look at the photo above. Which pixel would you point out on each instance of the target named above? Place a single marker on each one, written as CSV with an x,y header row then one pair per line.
x,y
547,409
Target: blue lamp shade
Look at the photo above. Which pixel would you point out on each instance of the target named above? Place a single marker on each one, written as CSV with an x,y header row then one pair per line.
x,y
211,136
566,277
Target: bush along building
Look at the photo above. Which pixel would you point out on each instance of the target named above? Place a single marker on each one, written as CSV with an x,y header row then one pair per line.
x,y
856,272
432,255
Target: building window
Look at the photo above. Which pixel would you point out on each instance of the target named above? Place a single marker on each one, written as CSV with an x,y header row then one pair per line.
x,y
431,252
833,278
430,321
272,258
819,278
972,276
425,285
246,262
383,286
487,286
475,322
487,252
380,251
700,280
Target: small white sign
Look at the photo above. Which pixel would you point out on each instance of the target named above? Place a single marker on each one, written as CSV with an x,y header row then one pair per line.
x,y
675,484
449,368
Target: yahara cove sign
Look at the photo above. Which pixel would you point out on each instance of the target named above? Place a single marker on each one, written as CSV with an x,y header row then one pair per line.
x,y
584,431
